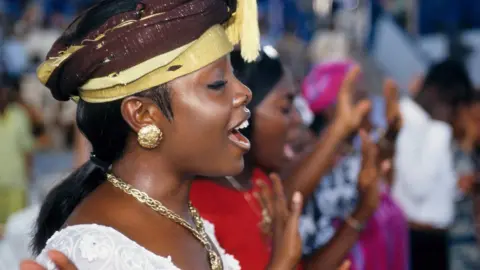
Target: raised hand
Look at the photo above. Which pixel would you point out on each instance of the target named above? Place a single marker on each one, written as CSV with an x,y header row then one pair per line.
x,y
415,86
392,107
59,259
368,179
349,115
287,244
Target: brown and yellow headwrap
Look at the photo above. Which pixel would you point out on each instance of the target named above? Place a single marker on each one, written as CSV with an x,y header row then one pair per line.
x,y
159,41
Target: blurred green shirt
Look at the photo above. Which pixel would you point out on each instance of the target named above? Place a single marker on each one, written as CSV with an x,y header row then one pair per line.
x,y
16,141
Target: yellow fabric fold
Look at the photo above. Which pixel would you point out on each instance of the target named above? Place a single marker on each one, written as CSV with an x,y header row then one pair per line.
x,y
46,68
131,74
211,46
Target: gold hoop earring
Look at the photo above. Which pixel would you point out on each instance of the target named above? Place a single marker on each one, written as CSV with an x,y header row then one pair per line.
x,y
149,136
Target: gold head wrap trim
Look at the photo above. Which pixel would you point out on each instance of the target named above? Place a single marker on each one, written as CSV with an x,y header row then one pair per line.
x,y
210,47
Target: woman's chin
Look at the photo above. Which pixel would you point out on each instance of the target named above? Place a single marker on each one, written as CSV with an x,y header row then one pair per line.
x,y
231,169
236,168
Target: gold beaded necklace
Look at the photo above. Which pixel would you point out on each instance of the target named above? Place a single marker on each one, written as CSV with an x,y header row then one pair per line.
x,y
198,232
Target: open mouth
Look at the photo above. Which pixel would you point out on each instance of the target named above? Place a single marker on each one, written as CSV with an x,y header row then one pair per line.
x,y
237,138
288,151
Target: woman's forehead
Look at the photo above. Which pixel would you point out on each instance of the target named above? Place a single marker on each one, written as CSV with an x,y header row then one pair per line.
x,y
283,91
290,80
286,87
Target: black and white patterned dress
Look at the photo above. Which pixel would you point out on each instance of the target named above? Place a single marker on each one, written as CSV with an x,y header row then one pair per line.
x,y
335,198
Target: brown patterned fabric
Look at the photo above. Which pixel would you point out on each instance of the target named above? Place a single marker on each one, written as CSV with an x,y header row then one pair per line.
x,y
155,27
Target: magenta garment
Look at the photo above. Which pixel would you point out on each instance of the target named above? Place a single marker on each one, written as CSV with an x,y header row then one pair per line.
x,y
383,245
321,86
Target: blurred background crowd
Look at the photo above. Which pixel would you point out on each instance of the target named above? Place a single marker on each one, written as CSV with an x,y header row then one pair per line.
x,y
398,39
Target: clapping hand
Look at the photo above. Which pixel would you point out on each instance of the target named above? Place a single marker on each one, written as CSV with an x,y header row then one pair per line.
x,y
287,244
348,115
394,119
59,259
368,179
415,86
393,115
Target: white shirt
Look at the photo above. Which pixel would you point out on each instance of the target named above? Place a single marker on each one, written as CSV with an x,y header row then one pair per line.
x,y
15,246
425,178
99,247
39,41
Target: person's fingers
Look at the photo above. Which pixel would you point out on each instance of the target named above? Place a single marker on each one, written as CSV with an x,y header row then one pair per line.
x,y
361,111
364,149
61,261
31,265
390,91
385,167
345,95
368,149
345,265
369,170
281,204
396,121
292,226
287,240
372,151
392,104
266,197
296,206
415,85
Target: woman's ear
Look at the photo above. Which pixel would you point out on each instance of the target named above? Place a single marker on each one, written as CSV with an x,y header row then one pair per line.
x,y
139,112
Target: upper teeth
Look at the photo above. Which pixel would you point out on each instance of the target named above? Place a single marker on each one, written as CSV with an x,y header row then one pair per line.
x,y
243,125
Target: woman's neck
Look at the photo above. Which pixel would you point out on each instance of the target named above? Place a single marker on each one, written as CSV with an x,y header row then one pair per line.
x,y
242,181
151,174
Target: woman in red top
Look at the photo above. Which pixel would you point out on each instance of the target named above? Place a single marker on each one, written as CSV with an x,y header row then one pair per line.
x,y
239,207
242,221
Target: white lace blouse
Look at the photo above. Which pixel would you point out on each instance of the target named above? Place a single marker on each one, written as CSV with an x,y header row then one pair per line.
x,y
104,248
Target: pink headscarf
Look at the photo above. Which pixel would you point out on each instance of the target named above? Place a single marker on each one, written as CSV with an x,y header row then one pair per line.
x,y
321,86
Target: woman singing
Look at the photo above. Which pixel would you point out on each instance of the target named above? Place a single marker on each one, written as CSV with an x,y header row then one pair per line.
x,y
159,103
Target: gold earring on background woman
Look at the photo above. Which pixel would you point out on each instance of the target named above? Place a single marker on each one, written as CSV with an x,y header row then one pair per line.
x,y
149,137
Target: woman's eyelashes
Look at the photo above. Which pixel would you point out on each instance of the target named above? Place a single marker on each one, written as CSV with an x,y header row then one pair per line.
x,y
218,85
287,107
286,110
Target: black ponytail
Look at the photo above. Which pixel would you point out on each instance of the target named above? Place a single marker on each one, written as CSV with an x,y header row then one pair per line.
x,y
62,200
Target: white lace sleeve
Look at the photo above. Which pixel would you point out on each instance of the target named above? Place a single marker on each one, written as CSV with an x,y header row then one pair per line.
x,y
102,248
